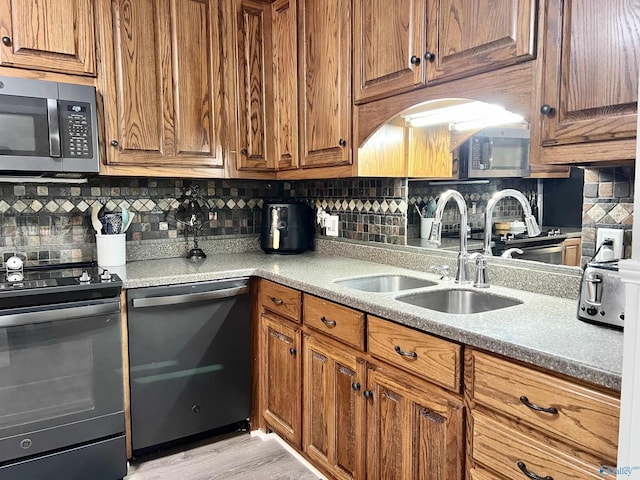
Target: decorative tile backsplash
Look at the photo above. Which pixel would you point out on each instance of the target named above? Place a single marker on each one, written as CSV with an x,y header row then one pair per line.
x,y
369,209
608,203
50,222
476,196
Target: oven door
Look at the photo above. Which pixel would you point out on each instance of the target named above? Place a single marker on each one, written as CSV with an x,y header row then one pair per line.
x,y
60,376
552,254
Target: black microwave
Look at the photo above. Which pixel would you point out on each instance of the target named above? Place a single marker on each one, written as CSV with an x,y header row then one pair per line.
x,y
495,152
47,127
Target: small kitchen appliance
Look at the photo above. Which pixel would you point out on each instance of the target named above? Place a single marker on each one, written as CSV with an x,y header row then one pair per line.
x,y
286,227
601,299
47,127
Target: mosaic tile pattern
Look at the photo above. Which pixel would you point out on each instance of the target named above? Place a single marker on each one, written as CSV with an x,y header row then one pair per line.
x,y
372,210
608,203
476,196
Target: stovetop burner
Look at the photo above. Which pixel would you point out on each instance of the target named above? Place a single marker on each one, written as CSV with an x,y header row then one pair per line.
x,y
56,283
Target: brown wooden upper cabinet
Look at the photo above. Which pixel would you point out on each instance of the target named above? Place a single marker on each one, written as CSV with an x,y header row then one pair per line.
x,y
267,85
406,45
324,27
163,83
49,35
589,71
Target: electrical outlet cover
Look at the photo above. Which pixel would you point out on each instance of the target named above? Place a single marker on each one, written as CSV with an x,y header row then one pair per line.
x,y
331,224
617,249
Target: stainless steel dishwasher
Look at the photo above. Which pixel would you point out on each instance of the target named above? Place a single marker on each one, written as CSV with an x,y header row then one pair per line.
x,y
189,359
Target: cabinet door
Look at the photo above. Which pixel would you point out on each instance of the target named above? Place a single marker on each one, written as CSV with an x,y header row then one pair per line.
x,y
415,430
334,422
255,108
51,35
281,368
471,36
590,70
163,94
325,54
388,47
285,82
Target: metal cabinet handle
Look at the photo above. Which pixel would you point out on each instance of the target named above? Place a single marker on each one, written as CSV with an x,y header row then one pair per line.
x,y
367,394
537,408
415,60
244,151
531,475
547,110
429,57
277,301
293,351
114,143
355,386
405,354
6,41
342,142
328,323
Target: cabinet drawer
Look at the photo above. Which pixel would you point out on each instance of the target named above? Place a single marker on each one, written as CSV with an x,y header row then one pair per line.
x,y
512,453
283,300
429,357
579,414
342,323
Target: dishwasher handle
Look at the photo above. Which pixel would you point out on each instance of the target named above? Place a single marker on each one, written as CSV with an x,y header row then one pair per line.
x,y
189,297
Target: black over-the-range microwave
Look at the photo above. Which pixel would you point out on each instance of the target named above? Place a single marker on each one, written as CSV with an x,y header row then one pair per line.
x,y
495,152
47,127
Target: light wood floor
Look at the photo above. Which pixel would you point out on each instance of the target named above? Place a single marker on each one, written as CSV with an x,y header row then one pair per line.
x,y
233,457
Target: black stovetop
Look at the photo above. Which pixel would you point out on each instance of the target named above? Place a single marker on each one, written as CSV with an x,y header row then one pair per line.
x,y
56,283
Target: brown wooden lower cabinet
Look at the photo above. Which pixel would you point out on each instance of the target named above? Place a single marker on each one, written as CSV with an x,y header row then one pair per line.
x,y
281,384
334,407
415,430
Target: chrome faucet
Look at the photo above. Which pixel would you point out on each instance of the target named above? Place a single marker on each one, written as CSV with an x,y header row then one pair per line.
x,y
533,230
462,273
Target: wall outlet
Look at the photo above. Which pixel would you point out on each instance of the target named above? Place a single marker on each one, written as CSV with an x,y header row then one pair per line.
x,y
331,225
616,250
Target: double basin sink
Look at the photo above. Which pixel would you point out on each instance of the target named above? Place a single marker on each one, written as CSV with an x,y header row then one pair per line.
x,y
454,301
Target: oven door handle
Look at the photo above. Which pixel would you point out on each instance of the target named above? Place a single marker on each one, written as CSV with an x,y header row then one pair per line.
x,y
44,316
189,297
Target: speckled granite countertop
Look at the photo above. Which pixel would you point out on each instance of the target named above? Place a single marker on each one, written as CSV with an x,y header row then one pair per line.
x,y
543,330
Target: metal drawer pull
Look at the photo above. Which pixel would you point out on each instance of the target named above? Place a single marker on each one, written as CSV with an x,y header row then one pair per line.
x,y
533,476
355,386
405,354
537,408
277,301
328,323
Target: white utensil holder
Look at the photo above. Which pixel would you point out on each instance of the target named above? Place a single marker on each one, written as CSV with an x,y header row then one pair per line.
x,y
112,250
425,227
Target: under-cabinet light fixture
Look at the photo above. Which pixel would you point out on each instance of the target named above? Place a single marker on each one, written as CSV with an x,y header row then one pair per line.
x,y
464,116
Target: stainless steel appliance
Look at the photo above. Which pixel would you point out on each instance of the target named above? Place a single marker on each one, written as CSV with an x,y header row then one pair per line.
x,y
286,227
495,152
47,127
61,392
547,247
189,359
602,295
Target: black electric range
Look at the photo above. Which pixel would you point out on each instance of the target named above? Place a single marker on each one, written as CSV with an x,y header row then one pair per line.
x,y
45,284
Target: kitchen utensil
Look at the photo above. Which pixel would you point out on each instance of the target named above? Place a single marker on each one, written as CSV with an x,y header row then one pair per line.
x,y
124,211
125,226
95,220
114,222
430,209
417,209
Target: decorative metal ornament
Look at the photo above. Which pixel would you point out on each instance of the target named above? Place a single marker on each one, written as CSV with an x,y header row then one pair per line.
x,y
193,213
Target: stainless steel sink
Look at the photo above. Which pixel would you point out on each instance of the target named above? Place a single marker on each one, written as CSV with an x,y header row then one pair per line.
x,y
385,283
459,301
